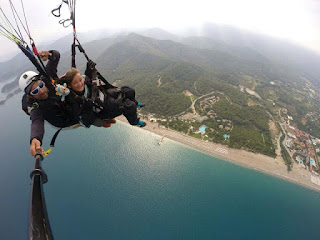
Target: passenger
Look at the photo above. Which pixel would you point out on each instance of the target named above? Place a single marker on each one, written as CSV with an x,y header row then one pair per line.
x,y
83,108
113,102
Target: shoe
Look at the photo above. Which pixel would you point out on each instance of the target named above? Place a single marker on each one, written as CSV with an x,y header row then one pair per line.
x,y
141,124
112,120
108,122
106,125
139,104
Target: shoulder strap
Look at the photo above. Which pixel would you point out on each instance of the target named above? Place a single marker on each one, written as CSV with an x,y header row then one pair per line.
x,y
28,105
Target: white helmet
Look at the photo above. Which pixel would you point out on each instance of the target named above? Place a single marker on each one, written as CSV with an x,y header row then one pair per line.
x,y
26,78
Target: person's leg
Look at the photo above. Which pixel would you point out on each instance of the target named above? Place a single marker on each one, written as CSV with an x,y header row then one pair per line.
x,y
130,112
130,93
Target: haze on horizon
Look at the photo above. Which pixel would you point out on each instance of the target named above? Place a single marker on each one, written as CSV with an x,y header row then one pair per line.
x,y
297,21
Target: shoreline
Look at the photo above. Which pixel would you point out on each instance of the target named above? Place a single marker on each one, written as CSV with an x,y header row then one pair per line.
x,y
256,161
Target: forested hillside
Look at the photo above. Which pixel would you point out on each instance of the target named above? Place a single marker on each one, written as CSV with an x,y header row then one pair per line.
x,y
254,80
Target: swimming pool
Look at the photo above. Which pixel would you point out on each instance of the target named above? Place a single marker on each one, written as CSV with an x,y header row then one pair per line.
x,y
203,128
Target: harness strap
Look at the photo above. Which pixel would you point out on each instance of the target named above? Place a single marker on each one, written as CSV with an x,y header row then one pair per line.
x,y
54,137
52,142
94,92
57,9
108,85
120,99
65,21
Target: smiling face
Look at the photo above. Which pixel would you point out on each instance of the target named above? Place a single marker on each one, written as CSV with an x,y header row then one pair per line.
x,y
42,92
77,83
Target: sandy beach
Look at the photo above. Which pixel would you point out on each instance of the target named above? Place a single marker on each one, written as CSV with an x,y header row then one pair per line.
x,y
252,160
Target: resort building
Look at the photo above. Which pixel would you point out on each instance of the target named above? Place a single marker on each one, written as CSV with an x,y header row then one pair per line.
x,y
290,129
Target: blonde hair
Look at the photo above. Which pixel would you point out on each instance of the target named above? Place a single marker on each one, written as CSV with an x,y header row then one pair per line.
x,y
70,75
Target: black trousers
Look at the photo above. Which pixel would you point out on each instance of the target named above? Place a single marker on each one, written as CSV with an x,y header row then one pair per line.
x,y
118,102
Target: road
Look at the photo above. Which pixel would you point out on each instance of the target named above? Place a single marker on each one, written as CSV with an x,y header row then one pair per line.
x,y
192,105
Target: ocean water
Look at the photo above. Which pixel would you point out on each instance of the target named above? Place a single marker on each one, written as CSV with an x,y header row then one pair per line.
x,y
118,183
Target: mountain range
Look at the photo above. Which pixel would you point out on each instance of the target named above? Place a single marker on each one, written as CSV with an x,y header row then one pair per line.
x,y
216,44
161,65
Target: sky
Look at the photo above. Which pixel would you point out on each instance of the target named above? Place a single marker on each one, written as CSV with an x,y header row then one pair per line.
x,y
297,21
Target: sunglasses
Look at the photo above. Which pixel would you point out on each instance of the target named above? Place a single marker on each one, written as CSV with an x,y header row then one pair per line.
x,y
37,89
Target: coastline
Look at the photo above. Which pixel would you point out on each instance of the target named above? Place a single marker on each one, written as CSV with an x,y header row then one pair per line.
x,y
244,158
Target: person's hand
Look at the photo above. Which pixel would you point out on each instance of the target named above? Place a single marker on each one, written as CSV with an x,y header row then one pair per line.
x,y
91,65
91,68
35,146
44,55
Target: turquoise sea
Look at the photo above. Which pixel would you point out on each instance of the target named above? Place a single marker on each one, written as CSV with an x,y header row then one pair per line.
x,y
118,183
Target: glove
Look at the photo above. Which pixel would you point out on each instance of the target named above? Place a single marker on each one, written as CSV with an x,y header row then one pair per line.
x,y
91,67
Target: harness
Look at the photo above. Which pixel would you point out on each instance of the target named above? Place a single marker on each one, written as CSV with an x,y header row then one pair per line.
x,y
100,93
114,97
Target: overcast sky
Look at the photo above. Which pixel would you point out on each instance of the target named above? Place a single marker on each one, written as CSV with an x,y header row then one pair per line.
x,y
294,20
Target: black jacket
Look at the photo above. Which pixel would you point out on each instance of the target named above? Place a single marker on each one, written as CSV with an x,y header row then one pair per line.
x,y
81,106
53,110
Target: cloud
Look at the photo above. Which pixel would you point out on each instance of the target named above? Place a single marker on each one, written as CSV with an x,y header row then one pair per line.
x,y
294,20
